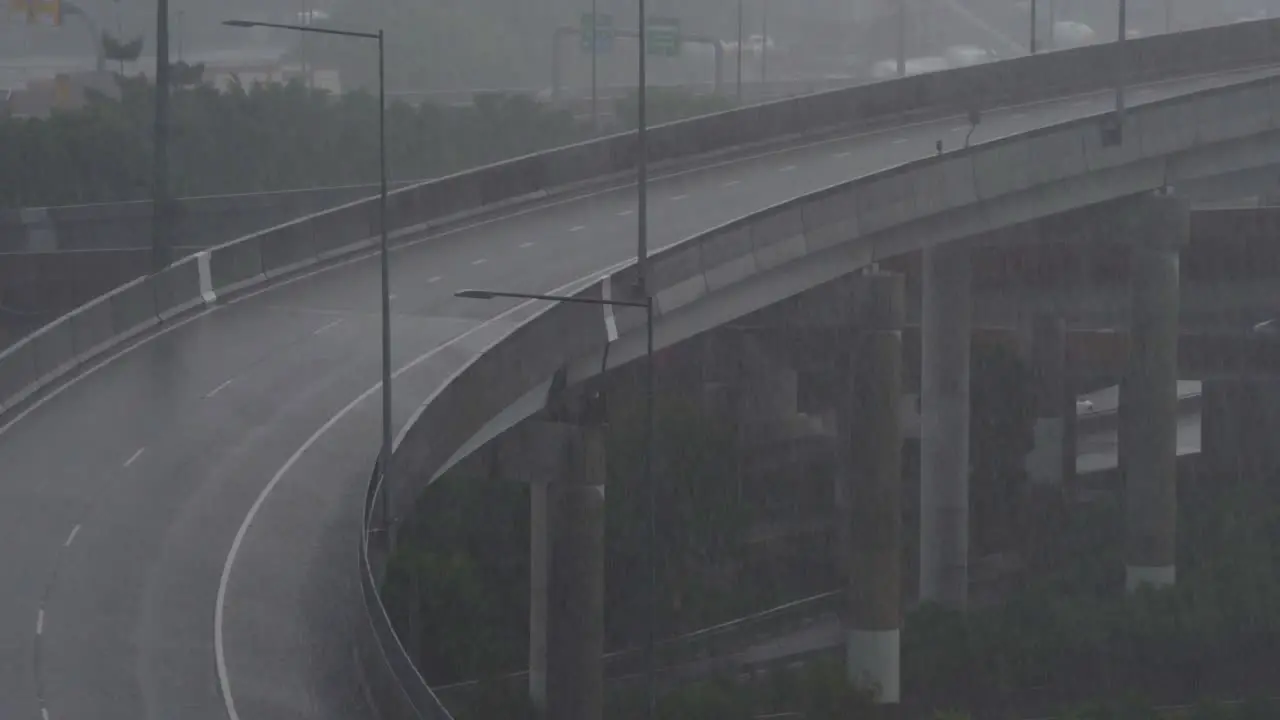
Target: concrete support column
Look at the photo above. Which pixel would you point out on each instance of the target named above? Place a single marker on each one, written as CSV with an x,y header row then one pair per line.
x,y
1151,392
566,628
870,492
770,387
944,433
1053,461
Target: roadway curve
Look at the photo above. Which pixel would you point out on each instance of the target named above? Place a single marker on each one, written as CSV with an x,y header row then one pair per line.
x,y
246,434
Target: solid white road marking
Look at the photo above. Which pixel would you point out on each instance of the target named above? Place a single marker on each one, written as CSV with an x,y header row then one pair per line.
x,y
219,611
481,261
788,168
40,622
326,328
526,245
731,183
899,141
677,198
577,228
134,458
842,154
72,537
435,279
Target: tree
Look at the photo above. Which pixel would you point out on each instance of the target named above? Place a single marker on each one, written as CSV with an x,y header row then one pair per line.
x,y
121,51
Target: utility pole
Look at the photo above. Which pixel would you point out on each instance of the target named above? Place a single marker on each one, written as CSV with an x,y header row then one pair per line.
x,y
161,246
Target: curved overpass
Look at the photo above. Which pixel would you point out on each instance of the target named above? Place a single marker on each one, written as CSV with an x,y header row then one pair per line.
x,y
192,452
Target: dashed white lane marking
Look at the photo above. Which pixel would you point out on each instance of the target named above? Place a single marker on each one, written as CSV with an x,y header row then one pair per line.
x,y
223,386
1080,103
44,714
577,228
480,261
72,537
326,328
788,168
731,183
134,458
899,141
844,154
435,279
625,213
526,244
1019,116
682,196
40,622
960,128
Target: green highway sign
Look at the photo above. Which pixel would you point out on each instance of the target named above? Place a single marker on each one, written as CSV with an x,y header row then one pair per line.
x,y
601,29
663,36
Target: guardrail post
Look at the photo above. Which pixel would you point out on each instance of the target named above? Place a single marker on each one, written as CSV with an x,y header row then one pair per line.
x,y
566,633
871,511
1150,423
944,425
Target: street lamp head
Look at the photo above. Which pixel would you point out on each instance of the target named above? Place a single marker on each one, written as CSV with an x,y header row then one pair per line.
x,y
240,23
475,294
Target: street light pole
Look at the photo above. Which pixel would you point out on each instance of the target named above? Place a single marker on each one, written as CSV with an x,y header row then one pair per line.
x,y
384,458
595,54
1034,24
652,496
642,159
1123,33
386,277
764,42
160,230
740,51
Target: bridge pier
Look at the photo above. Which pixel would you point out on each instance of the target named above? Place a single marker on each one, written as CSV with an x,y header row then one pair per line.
x,y
1053,461
946,319
566,607
870,492
1149,398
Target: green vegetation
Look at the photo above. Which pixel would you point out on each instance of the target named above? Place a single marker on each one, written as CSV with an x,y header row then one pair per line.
x,y
263,137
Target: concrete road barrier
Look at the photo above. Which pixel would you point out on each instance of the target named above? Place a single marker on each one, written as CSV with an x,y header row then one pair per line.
x,y
179,288
238,265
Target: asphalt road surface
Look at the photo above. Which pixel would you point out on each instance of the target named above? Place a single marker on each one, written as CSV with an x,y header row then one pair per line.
x,y
179,526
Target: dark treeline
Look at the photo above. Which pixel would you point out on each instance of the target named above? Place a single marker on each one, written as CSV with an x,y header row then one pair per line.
x,y
258,138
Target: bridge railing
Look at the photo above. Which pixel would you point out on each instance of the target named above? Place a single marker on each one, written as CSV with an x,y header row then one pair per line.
x,y
776,252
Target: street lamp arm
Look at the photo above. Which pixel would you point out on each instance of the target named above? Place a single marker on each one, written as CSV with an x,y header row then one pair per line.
x,y
491,294
301,28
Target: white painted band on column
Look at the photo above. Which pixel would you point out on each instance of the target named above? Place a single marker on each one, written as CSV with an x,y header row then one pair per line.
x,y
206,278
873,658
538,688
610,324
1044,462
1138,575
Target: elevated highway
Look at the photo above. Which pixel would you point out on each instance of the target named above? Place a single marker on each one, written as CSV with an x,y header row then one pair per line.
x,y
186,462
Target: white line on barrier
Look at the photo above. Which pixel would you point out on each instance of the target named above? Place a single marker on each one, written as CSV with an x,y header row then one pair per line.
x,y
326,328
610,324
72,537
219,645
481,261
206,278
219,389
134,458
40,622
